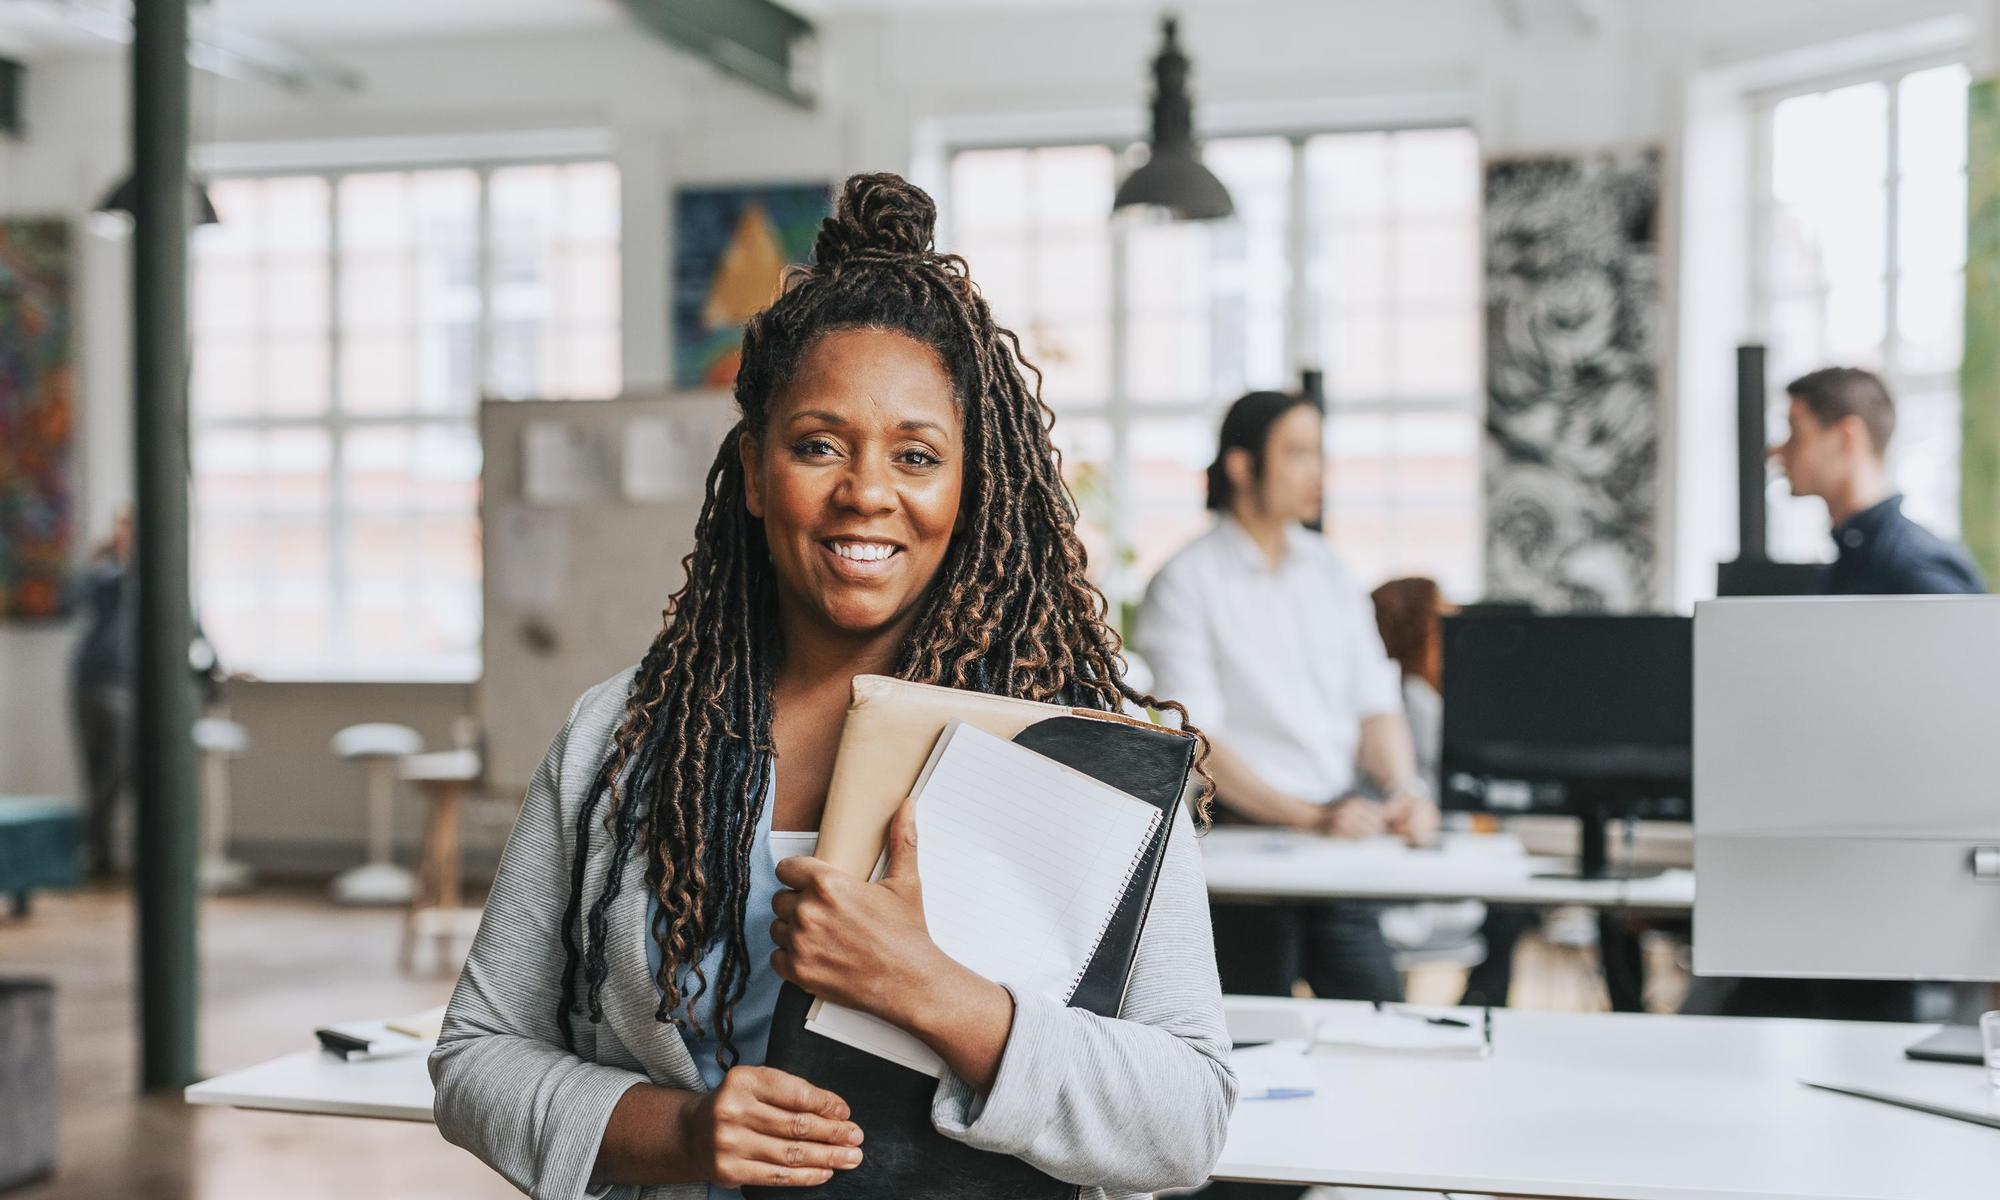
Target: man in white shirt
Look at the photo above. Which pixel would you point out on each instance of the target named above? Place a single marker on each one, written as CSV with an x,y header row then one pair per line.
x,y
1260,630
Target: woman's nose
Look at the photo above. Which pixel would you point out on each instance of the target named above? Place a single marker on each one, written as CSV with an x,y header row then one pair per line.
x,y
866,488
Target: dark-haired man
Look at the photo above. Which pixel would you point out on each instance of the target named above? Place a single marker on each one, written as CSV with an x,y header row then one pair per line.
x,y
1271,643
1841,421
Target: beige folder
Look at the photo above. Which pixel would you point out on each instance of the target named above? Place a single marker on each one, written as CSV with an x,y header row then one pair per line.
x,y
891,727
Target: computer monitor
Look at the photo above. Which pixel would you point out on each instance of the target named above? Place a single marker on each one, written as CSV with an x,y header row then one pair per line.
x,y
1589,716
1847,753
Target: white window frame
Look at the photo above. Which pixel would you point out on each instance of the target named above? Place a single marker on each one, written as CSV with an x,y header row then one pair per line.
x,y
333,161
1762,104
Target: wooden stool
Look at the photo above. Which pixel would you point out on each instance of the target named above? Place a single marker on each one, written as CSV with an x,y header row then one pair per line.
x,y
437,907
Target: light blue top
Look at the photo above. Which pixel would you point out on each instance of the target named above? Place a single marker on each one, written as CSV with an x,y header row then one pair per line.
x,y
751,1017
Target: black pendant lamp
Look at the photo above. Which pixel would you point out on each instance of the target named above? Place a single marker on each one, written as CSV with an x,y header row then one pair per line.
x,y
125,199
1173,178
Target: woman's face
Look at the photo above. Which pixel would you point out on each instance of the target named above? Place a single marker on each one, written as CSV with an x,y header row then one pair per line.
x,y
857,478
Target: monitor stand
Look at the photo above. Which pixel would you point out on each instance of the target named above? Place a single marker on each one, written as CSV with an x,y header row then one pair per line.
x,y
1952,1044
1594,859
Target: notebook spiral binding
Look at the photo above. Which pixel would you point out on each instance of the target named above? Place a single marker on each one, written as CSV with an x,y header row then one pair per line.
x,y
1132,869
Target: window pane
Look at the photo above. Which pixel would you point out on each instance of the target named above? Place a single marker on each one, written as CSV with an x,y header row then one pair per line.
x,y
1930,126
556,299
1402,496
1085,446
262,504
989,193
1930,223
1923,457
1930,323
1034,228
1206,300
1829,141
1395,281
367,552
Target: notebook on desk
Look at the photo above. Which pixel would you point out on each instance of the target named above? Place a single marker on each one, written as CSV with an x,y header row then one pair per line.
x,y
892,731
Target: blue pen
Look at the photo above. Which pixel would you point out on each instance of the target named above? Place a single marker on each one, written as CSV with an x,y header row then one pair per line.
x,y
1282,1093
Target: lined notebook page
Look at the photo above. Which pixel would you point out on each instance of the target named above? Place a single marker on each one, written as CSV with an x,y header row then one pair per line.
x,y
1023,861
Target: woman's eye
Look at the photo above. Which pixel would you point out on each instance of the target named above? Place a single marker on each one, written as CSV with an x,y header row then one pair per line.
x,y
813,448
920,458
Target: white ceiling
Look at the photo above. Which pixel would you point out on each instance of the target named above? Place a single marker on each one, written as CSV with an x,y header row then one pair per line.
x,y
55,26
58,25
390,20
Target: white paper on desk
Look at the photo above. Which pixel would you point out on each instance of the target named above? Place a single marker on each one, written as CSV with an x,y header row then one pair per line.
x,y
563,463
1278,1071
1023,861
1369,1032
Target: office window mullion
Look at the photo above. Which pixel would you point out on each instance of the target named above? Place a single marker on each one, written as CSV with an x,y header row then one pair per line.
x,y
1892,179
337,523
483,338
1121,417
1302,349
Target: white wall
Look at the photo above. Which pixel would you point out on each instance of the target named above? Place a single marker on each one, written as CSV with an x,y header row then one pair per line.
x,y
1570,74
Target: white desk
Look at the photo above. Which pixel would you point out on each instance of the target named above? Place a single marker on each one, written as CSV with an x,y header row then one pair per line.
x,y
313,1081
1264,864
1596,1106
1615,1107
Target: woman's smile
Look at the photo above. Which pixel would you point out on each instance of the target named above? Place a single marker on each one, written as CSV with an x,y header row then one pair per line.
x,y
862,559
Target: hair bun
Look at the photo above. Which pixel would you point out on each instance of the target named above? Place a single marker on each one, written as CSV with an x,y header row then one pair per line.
x,y
878,215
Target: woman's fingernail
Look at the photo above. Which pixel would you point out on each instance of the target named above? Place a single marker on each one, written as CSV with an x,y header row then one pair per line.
x,y
854,1136
851,1159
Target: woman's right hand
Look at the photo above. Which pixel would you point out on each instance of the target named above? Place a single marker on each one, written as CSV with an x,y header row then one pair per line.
x,y
766,1127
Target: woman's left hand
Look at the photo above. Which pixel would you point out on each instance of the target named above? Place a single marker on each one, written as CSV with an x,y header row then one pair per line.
x,y
857,943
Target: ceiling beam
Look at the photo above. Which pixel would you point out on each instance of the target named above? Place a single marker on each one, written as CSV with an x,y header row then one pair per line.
x,y
758,41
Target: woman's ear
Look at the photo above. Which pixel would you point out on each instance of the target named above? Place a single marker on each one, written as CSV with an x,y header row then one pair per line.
x,y
750,452
1242,471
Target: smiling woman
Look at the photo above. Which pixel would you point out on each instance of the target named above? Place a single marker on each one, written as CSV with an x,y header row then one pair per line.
x,y
889,503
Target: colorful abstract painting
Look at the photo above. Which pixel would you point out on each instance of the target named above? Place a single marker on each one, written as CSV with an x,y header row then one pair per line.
x,y
37,400
1572,381
731,247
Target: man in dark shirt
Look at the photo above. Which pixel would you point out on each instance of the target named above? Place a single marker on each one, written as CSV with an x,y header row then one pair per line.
x,y
1841,422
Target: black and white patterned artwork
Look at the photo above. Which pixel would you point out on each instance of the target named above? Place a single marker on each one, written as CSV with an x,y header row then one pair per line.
x,y
1572,388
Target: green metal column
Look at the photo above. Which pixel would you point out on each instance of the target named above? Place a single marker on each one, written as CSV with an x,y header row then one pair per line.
x,y
168,824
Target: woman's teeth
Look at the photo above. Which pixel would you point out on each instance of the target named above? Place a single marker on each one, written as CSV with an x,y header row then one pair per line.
x,y
863,551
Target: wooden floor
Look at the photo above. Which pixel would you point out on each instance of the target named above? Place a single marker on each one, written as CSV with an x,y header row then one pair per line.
x,y
277,963
274,965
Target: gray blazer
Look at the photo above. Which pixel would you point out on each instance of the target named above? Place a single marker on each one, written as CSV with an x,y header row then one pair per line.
x,y
1123,1107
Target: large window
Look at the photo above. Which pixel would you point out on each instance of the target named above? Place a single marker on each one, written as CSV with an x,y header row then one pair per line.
x,y
1357,253
1862,234
346,327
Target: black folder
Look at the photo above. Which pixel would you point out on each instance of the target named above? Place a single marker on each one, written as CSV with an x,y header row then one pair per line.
x,y
903,1155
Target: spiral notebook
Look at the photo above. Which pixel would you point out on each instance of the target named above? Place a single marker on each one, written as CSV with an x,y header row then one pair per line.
x,y
1024,861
